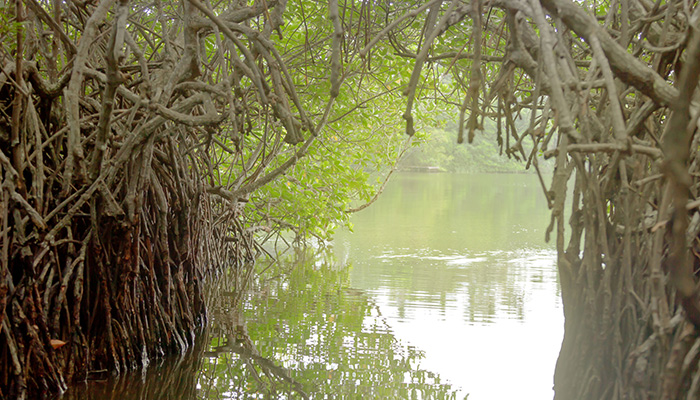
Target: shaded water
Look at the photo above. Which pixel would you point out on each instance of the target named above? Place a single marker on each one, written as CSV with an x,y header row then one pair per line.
x,y
444,289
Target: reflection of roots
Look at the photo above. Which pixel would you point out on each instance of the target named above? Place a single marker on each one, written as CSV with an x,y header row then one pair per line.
x,y
174,379
244,347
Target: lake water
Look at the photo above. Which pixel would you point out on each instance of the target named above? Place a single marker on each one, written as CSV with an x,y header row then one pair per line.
x,y
459,267
444,289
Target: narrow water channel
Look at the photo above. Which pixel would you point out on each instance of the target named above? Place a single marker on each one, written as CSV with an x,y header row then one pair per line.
x,y
445,289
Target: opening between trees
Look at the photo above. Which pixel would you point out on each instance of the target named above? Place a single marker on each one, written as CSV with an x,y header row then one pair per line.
x,y
146,145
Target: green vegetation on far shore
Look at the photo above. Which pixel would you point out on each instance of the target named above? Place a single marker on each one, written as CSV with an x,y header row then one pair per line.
x,y
439,150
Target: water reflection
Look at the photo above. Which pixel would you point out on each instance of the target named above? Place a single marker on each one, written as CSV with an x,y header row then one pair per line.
x,y
444,289
172,378
486,288
421,213
303,334
308,335
460,269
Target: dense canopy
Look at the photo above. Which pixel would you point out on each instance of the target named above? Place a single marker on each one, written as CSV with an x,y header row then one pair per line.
x,y
146,144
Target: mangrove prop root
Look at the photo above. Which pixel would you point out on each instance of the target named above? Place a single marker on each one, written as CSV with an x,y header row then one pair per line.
x,y
113,211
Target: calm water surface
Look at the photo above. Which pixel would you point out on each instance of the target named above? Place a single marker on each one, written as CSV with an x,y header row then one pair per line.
x,y
459,268
445,288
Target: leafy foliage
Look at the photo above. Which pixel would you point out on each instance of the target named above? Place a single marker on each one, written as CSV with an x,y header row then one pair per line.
x,y
363,139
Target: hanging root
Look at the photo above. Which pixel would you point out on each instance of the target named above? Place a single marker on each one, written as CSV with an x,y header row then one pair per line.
x,y
114,212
